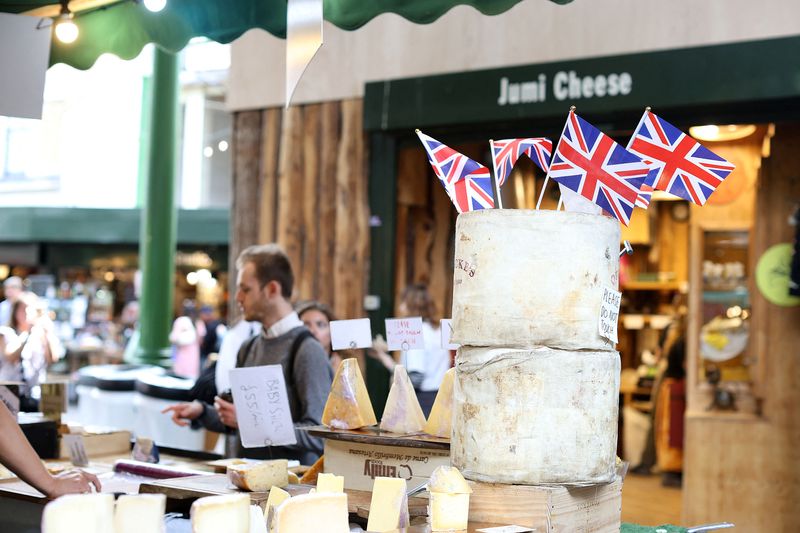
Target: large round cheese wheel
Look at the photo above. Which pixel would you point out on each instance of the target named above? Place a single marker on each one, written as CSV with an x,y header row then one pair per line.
x,y
533,278
535,416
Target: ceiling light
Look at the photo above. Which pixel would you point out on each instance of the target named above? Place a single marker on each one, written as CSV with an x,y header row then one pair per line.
x,y
222,146
66,29
208,151
730,132
155,5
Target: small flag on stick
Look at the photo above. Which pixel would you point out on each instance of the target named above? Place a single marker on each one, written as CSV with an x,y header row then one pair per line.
x,y
468,183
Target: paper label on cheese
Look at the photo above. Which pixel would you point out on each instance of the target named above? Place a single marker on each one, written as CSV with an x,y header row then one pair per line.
x,y
609,314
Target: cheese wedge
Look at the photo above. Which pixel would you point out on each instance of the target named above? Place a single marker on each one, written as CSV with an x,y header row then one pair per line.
x,y
330,483
140,513
402,413
293,479
229,513
448,507
259,477
308,513
388,509
79,513
348,405
257,522
276,497
440,421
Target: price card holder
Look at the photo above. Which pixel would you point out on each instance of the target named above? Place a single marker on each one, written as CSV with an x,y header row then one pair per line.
x,y
404,333
351,334
446,330
262,406
609,314
77,451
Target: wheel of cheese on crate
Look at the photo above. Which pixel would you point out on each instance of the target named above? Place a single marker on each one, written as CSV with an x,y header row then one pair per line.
x,y
535,416
532,278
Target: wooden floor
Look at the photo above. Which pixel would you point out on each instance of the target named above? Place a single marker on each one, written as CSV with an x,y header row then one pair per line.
x,y
646,502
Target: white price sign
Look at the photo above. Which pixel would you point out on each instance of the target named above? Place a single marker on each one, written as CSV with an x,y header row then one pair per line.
x,y
404,333
447,333
262,406
609,314
351,334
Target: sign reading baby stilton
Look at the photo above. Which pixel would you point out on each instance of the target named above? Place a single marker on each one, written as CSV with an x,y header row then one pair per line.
x,y
262,406
609,314
404,333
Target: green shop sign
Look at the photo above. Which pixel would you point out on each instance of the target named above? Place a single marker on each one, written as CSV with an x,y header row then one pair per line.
x,y
721,76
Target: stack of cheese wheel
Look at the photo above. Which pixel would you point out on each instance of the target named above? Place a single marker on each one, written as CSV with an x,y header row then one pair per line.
x,y
537,388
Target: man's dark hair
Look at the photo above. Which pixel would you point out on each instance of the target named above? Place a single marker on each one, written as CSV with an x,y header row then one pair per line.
x,y
271,263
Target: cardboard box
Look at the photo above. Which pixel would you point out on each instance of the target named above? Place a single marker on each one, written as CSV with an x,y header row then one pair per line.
x,y
549,508
360,463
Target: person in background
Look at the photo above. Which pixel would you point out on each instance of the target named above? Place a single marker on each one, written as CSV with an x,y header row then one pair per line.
x,y
34,347
264,288
426,367
670,407
317,317
18,456
12,289
186,347
214,331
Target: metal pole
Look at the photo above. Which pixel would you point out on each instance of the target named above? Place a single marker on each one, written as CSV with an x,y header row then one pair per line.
x,y
159,217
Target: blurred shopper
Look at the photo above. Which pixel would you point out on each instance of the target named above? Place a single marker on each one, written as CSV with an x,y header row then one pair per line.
x,y
212,332
32,349
670,407
317,317
12,289
264,288
186,347
18,456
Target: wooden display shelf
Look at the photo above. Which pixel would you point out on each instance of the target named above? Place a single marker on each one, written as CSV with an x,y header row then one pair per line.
x,y
374,435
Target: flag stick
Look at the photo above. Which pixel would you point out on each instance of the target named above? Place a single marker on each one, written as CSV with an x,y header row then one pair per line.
x,y
496,177
560,202
547,176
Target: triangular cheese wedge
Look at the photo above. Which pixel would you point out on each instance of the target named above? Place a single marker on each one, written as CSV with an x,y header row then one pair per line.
x,y
330,483
348,405
276,497
440,421
309,513
448,505
402,413
388,509
229,513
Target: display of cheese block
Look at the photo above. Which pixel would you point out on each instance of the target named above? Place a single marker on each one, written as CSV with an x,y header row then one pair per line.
x,y
388,508
318,512
259,477
79,513
402,413
533,278
258,524
535,416
140,513
330,483
293,478
348,405
448,506
440,421
276,497
229,513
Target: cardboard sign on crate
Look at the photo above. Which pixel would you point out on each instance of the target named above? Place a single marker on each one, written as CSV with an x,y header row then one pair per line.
x,y
362,455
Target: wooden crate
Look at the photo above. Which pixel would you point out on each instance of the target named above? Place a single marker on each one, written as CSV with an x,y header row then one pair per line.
x,y
549,509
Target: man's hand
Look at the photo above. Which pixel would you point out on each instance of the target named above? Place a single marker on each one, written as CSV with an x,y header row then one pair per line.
x,y
227,412
72,482
183,412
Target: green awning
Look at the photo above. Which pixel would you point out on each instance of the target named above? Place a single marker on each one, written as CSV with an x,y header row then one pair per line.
x,y
124,28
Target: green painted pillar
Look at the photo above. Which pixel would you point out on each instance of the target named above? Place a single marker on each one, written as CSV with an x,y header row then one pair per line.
x,y
159,217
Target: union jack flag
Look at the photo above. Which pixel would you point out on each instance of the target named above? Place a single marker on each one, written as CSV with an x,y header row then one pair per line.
x,y
680,165
593,165
646,192
506,152
468,183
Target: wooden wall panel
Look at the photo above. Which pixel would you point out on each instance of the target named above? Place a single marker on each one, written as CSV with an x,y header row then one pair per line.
x,y
747,470
246,192
300,181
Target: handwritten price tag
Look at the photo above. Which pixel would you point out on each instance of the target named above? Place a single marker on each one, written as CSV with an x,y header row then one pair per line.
x,y
404,334
351,334
609,314
446,326
262,406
